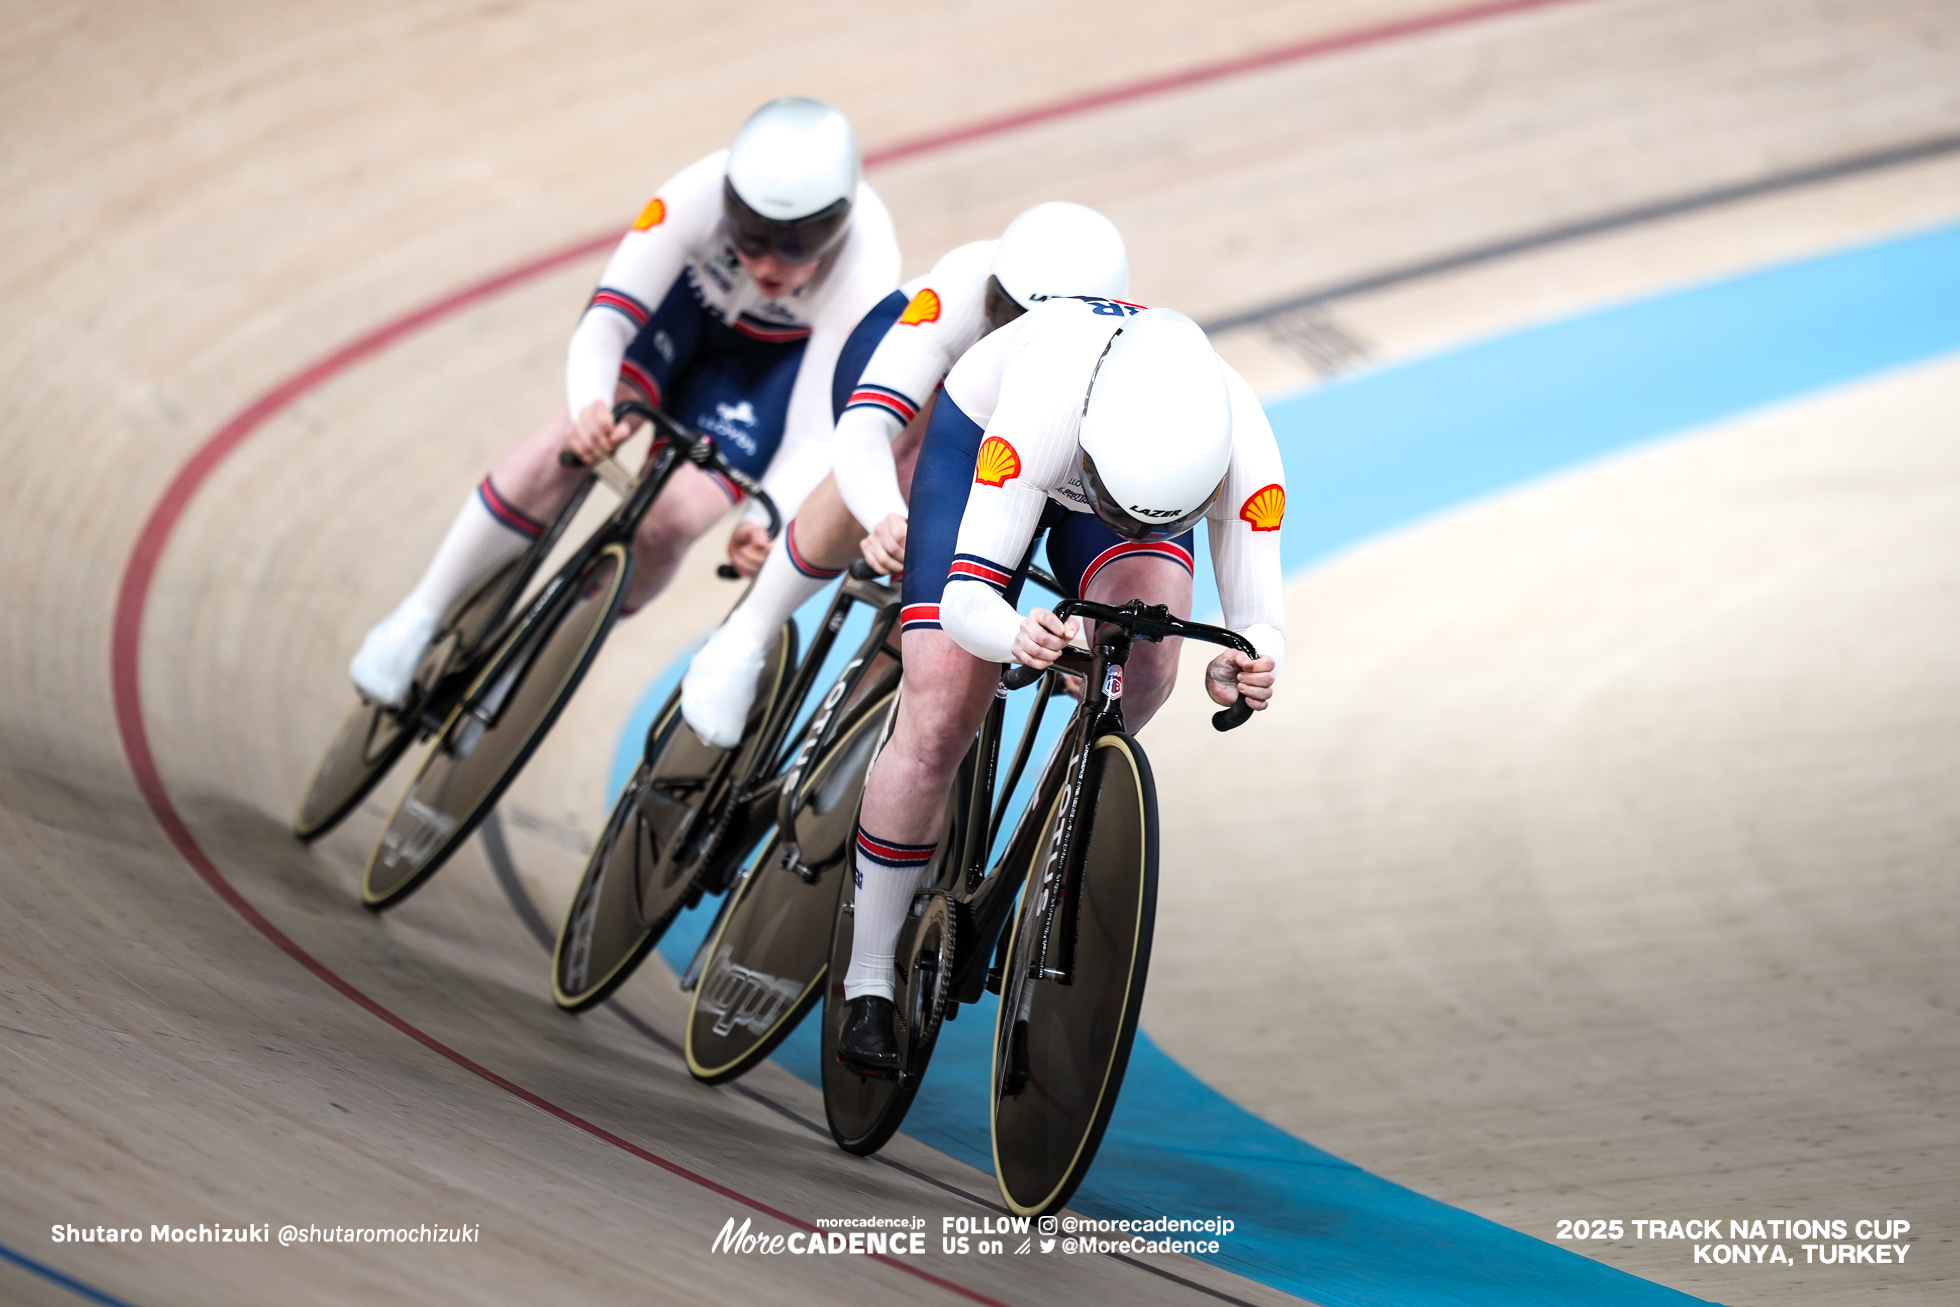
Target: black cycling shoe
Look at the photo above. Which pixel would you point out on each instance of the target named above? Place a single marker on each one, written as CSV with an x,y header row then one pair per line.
x,y
868,1043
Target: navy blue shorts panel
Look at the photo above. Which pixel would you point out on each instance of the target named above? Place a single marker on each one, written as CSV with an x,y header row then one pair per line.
x,y
1079,545
858,348
715,379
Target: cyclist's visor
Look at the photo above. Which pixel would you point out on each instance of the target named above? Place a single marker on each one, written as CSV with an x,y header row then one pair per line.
x,y
1001,308
1113,515
796,242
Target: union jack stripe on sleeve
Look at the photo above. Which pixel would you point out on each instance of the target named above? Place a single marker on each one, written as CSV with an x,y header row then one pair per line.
x,y
1154,548
620,302
894,402
972,567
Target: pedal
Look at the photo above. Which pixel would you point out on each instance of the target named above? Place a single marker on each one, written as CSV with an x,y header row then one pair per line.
x,y
862,1072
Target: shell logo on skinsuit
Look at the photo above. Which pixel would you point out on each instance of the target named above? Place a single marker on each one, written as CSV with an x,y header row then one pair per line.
x,y
1265,508
923,308
997,464
652,216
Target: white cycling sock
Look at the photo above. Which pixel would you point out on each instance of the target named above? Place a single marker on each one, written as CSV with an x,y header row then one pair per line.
x,y
486,534
785,581
887,878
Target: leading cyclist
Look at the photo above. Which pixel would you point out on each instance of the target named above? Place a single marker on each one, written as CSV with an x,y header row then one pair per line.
x,y
1115,428
883,404
727,305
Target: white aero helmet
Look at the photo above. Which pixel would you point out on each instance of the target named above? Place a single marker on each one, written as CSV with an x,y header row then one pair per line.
x,y
1156,428
1057,249
792,174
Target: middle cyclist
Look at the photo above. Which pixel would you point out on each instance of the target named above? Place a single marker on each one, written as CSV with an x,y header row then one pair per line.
x,y
882,407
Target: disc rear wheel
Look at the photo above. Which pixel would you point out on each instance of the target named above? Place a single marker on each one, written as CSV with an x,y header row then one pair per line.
x,y
865,1111
373,737
766,965
644,868
493,732
1060,1051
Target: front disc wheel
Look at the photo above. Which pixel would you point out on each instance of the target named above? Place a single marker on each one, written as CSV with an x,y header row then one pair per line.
x,y
1060,1050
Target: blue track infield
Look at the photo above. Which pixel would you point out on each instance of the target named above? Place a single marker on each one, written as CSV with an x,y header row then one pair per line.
x,y
1367,455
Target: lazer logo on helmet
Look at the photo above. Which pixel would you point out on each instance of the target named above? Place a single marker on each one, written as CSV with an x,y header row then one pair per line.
x,y
1155,512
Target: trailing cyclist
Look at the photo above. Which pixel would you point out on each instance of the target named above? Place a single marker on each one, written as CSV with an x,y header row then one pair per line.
x,y
727,304
1114,428
883,404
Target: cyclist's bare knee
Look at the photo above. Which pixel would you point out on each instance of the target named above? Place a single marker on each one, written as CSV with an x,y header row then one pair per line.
x,y
690,504
529,476
1151,673
827,535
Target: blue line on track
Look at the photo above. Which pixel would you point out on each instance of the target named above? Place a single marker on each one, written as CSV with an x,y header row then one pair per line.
x,y
67,1282
1370,454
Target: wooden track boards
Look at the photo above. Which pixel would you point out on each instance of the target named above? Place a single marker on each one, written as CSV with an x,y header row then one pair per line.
x,y
202,200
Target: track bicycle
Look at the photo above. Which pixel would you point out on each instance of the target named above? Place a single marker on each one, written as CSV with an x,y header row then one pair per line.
x,y
763,965
691,813
541,655
1070,967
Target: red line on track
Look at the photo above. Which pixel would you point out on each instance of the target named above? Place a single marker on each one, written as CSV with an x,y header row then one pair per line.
x,y
132,598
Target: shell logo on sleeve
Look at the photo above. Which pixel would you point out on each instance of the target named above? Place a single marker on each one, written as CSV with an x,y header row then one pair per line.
x,y
997,464
1265,508
652,216
923,308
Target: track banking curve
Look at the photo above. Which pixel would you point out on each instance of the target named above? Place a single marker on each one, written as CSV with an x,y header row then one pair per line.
x,y
155,535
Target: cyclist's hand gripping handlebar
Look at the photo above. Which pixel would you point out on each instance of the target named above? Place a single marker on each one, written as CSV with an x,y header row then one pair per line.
x,y
694,447
1149,623
1020,676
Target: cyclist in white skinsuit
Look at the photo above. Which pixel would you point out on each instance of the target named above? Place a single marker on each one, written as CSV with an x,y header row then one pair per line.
x,y
1115,429
727,305
913,339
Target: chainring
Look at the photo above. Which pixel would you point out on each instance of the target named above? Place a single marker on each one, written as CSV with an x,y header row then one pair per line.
x,y
925,987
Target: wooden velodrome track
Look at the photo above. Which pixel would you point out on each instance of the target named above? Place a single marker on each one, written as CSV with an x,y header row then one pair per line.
x,y
1590,866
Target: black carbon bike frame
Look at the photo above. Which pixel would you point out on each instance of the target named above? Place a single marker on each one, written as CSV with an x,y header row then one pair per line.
x,y
983,899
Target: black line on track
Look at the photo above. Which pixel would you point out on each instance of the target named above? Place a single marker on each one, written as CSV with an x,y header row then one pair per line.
x,y
497,849
497,852
1193,1285
1808,176
937,1183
